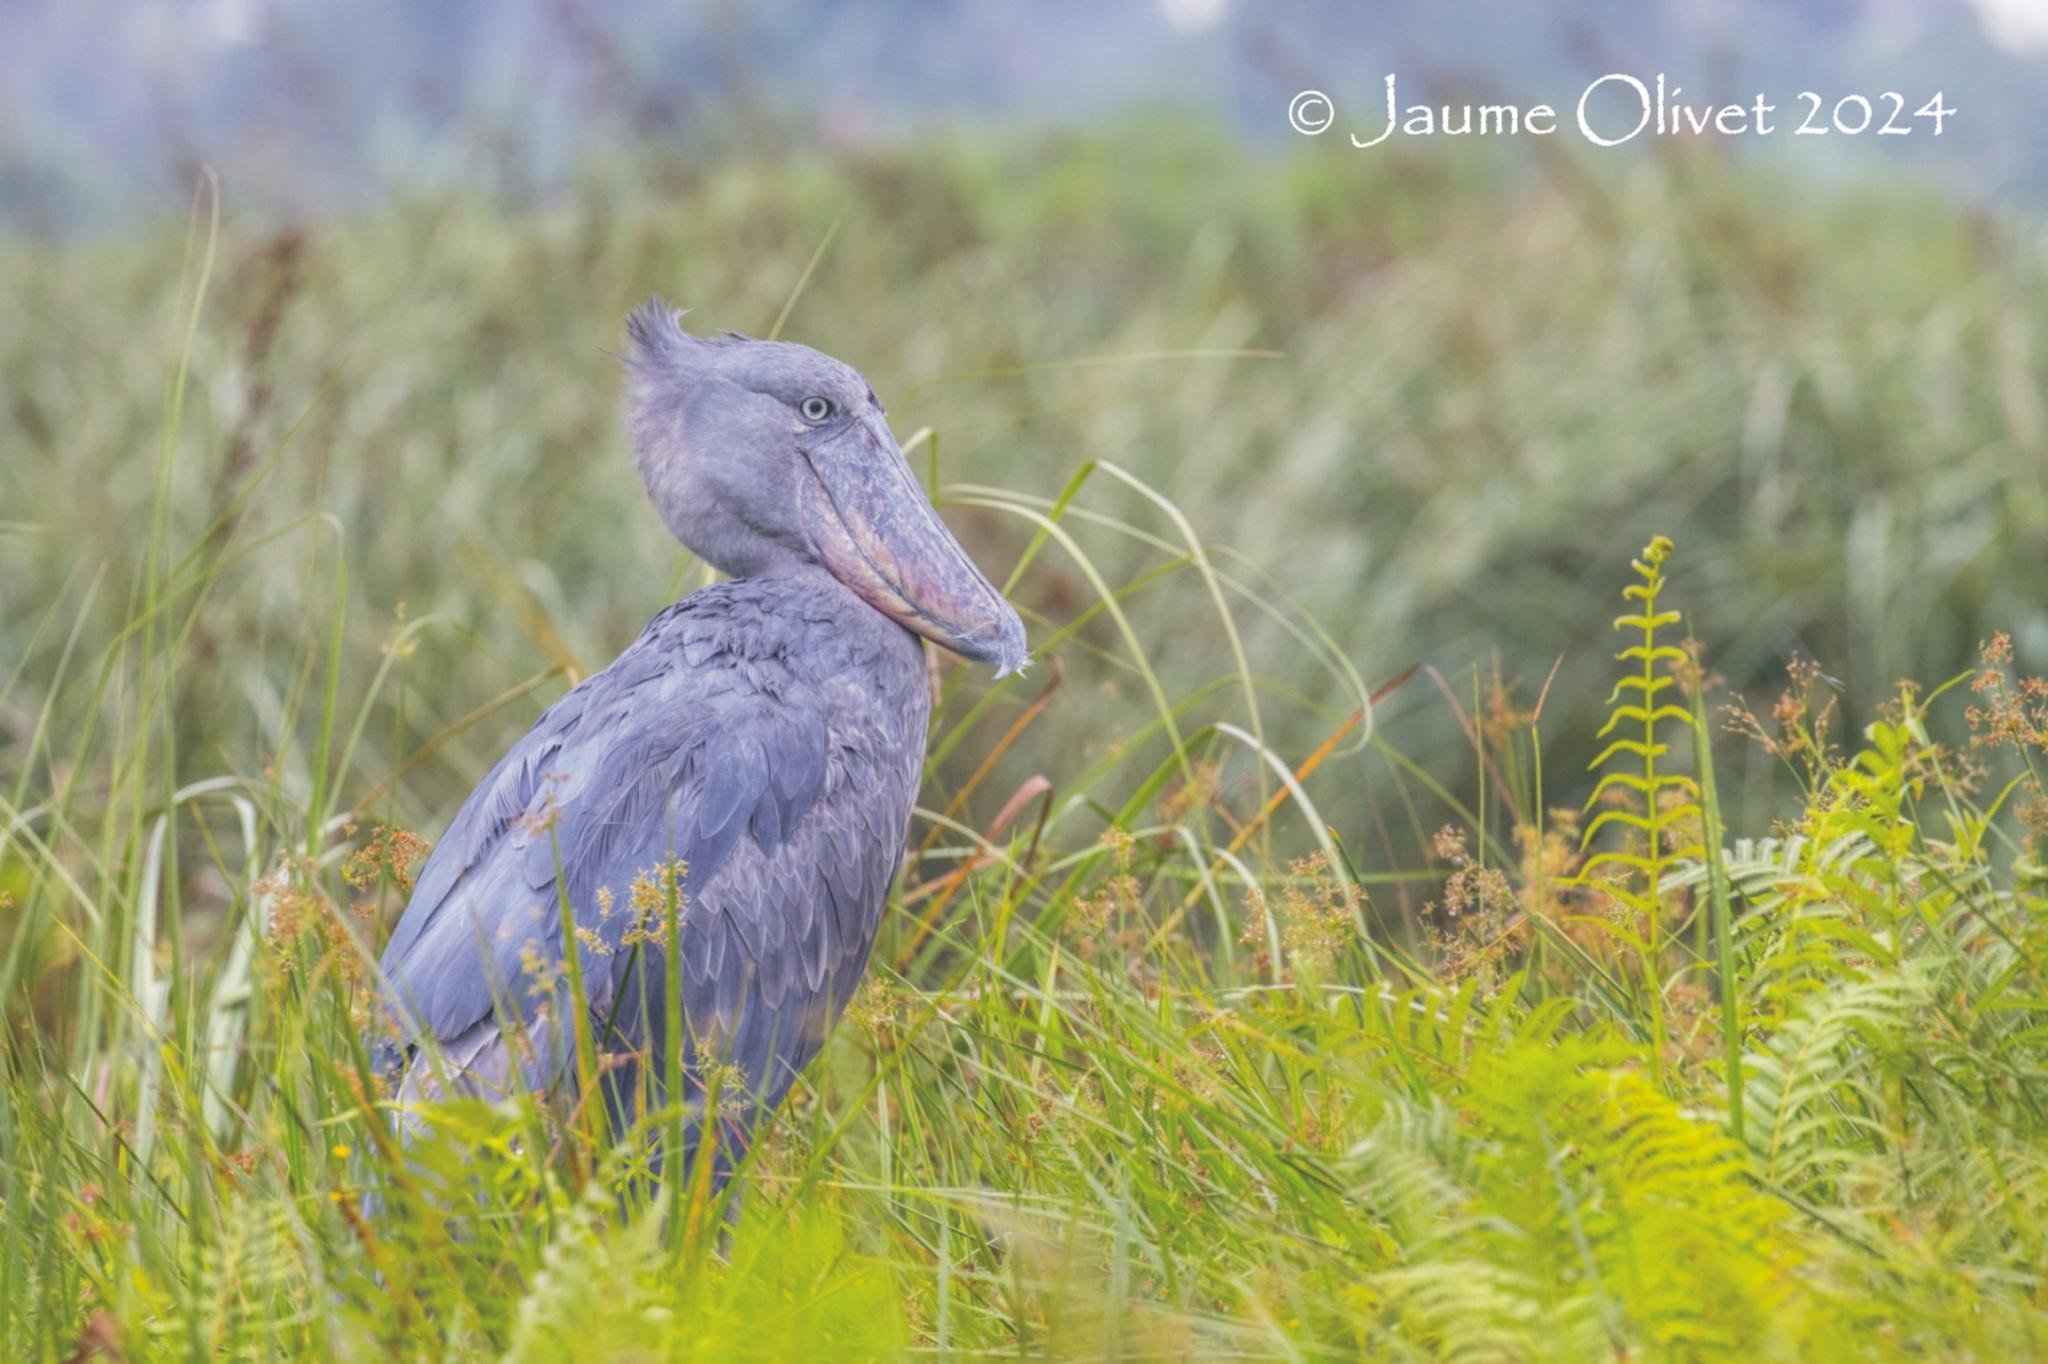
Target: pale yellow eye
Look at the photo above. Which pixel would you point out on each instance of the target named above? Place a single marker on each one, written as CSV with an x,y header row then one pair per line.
x,y
815,410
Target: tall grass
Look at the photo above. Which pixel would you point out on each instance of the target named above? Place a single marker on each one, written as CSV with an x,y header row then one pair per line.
x,y
1837,398
1221,1012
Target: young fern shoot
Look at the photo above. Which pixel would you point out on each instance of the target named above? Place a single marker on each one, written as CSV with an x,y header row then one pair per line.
x,y
1651,846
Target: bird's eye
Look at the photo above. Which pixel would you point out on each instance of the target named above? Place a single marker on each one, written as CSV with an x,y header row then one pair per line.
x,y
815,410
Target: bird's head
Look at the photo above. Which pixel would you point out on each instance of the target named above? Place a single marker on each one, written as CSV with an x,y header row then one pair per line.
x,y
763,457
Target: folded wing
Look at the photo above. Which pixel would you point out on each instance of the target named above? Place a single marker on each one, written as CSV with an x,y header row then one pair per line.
x,y
670,755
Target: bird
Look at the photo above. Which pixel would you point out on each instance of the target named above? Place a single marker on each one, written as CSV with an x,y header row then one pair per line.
x,y
751,759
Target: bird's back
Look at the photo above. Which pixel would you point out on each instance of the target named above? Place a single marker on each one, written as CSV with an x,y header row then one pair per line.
x,y
766,735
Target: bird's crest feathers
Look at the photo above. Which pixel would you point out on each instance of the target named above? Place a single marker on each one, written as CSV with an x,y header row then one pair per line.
x,y
656,331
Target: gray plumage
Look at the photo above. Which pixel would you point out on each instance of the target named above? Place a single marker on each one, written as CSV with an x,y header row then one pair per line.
x,y
767,731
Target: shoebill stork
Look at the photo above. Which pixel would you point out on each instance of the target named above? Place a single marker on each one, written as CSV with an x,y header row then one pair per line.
x,y
766,732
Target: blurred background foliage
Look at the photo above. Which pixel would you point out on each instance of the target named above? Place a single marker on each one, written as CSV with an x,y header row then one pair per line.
x,y
1426,403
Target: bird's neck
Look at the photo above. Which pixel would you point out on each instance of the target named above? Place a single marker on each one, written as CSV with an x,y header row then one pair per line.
x,y
823,599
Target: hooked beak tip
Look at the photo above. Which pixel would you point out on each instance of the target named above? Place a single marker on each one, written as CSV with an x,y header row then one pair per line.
x,y
1004,646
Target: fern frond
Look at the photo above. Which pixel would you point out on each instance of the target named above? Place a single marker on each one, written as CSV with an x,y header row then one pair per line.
x,y
1631,763
1584,1177
1815,1101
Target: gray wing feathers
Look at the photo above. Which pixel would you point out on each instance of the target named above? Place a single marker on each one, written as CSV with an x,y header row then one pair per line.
x,y
649,761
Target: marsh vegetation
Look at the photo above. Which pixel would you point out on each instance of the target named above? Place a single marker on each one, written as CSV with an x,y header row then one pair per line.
x,y
1348,939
